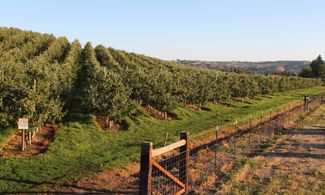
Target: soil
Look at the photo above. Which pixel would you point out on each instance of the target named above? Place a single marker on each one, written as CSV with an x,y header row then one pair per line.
x,y
40,143
104,125
156,114
195,107
117,181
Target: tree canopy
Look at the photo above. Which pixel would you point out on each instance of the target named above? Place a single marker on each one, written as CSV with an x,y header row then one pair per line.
x,y
41,76
316,69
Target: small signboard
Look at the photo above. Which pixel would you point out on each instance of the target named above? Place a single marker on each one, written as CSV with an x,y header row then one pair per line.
x,y
23,123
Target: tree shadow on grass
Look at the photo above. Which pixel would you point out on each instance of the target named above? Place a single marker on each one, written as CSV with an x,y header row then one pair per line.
x,y
308,145
318,131
293,155
87,190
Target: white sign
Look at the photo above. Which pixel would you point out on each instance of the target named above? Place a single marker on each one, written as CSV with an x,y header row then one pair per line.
x,y
23,123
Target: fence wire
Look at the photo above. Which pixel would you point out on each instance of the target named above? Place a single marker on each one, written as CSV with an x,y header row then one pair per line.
x,y
210,163
163,184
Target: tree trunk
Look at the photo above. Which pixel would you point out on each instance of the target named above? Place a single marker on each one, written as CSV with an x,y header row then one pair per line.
x,y
29,137
110,124
166,139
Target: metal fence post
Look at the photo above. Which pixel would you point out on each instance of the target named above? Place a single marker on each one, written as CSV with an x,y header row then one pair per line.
x,y
234,140
145,168
260,128
305,103
215,154
283,122
249,130
185,156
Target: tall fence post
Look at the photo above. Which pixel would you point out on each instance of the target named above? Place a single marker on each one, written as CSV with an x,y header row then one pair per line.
x,y
261,127
234,140
215,154
145,168
283,119
185,156
249,130
305,103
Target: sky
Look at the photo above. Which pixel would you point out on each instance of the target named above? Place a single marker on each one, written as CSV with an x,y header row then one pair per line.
x,y
224,30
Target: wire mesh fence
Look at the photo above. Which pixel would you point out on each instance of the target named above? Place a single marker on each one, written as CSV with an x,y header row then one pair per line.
x,y
245,143
210,164
163,184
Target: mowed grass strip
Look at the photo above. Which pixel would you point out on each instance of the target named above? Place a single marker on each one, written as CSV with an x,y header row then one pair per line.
x,y
81,149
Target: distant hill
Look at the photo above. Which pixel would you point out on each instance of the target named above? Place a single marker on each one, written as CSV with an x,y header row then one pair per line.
x,y
260,67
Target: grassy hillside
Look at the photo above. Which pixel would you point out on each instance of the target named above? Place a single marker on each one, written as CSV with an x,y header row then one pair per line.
x,y
81,149
104,100
44,77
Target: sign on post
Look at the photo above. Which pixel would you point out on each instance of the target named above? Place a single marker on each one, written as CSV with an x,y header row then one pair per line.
x,y
23,123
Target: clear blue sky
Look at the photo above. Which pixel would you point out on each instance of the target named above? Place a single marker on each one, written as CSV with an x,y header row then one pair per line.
x,y
251,30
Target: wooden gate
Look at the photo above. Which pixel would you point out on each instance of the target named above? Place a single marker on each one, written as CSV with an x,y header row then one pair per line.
x,y
167,175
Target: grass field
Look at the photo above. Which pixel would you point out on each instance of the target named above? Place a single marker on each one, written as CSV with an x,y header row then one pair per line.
x,y
5,135
81,149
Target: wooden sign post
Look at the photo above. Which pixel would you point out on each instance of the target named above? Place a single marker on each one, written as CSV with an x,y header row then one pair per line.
x,y
23,125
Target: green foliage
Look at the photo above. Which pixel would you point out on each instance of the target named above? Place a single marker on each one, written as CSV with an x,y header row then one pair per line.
x,y
43,77
316,69
316,66
306,72
103,91
32,78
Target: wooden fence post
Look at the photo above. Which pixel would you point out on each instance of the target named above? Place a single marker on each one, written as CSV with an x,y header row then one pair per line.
x,y
23,141
145,168
185,160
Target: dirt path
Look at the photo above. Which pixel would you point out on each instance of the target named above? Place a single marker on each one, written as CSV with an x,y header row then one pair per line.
x,y
40,143
295,166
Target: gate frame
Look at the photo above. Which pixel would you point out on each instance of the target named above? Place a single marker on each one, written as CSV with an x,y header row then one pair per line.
x,y
147,162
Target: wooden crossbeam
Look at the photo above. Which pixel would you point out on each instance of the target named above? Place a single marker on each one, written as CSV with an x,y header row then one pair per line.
x,y
180,192
159,151
166,172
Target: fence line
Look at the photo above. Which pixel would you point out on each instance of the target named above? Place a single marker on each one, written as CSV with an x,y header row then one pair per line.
x,y
188,170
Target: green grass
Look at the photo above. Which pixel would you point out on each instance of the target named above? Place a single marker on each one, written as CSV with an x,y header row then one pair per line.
x,y
5,135
80,149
